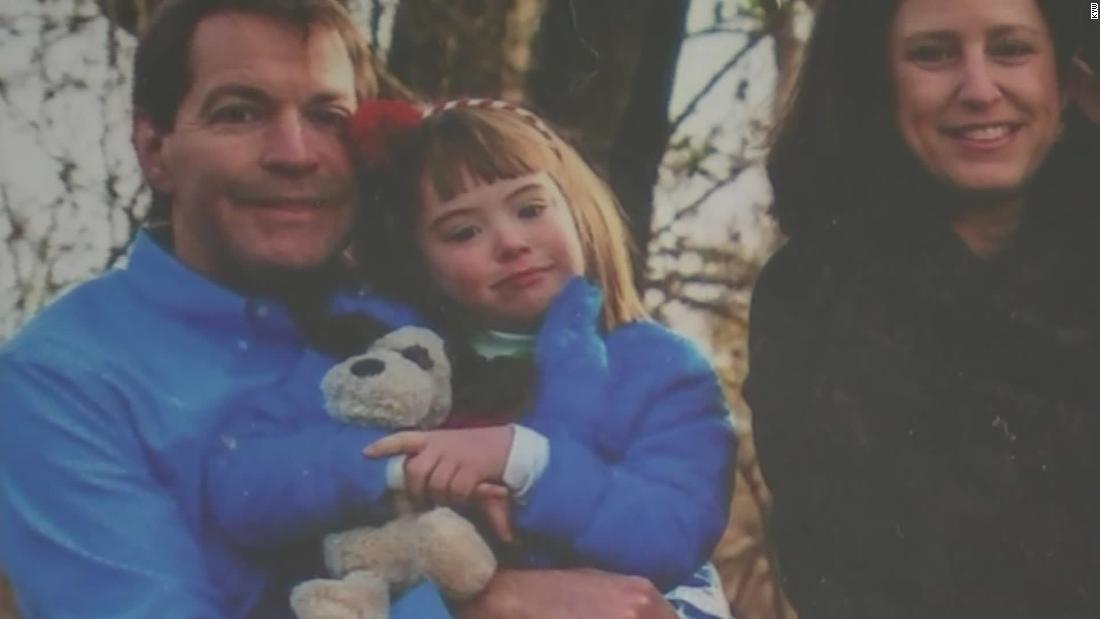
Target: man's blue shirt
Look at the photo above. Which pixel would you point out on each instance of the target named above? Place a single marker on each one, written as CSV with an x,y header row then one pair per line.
x,y
109,400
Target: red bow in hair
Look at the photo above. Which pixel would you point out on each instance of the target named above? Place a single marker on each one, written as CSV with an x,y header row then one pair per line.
x,y
377,126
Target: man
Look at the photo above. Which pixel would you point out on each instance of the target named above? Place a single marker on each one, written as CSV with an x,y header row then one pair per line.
x,y
108,398
110,395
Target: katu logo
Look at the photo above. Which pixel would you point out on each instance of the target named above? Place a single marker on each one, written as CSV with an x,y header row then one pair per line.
x,y
1094,10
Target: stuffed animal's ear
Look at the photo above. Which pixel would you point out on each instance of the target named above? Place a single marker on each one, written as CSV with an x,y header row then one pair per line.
x,y
420,356
380,388
423,350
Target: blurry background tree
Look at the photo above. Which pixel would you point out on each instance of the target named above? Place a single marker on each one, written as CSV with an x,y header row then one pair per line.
x,y
671,99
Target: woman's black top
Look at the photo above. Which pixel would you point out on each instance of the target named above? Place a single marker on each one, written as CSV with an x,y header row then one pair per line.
x,y
929,425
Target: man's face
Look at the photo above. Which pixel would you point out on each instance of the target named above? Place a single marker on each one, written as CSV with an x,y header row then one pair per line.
x,y
259,178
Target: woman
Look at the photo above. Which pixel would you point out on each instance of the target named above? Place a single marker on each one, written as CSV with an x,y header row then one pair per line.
x,y
924,350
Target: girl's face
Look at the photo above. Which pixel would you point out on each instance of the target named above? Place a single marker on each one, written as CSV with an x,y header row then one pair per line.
x,y
501,250
976,89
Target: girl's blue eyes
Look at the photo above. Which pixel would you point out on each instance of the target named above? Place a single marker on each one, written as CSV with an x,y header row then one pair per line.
x,y
528,211
461,235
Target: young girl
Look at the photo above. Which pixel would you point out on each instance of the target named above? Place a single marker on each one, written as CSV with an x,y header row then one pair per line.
x,y
496,229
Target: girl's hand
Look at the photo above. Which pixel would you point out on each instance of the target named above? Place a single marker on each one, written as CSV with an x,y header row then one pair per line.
x,y
445,467
497,510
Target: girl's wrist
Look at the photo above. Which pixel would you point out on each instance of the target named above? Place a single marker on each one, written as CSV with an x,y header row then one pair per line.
x,y
527,459
395,472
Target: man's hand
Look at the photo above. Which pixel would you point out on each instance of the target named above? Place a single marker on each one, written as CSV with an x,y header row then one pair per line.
x,y
566,594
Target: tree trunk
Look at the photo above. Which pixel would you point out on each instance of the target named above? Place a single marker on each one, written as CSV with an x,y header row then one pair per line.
x,y
130,15
604,74
450,48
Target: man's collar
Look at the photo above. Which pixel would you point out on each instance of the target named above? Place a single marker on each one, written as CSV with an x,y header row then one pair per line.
x,y
160,277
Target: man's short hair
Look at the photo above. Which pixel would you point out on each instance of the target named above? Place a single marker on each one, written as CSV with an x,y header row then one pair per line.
x,y
162,63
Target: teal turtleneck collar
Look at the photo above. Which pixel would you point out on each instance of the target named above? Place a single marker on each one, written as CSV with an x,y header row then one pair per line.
x,y
491,344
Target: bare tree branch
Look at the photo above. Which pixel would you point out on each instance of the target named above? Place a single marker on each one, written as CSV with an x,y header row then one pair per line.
x,y
692,208
718,30
754,38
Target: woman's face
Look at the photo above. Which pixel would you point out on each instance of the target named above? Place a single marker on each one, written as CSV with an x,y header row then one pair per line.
x,y
976,89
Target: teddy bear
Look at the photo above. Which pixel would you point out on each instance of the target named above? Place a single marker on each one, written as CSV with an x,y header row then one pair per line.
x,y
403,380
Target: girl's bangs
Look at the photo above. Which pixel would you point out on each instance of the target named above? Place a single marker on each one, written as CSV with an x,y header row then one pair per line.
x,y
470,155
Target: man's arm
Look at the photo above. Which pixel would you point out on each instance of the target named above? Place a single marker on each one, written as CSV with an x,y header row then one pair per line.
x,y
271,487
566,594
85,529
88,531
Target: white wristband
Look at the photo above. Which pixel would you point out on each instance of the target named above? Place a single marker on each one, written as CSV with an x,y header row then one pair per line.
x,y
395,472
527,460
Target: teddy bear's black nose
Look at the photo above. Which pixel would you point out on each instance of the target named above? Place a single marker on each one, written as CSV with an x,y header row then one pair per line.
x,y
418,355
368,367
